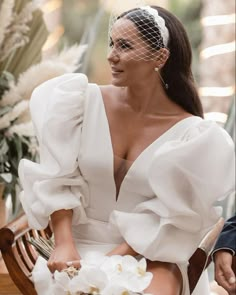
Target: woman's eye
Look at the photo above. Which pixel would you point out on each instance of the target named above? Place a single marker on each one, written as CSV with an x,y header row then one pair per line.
x,y
120,45
111,44
124,45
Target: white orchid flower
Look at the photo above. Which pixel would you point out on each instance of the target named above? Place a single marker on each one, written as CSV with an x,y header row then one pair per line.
x,y
62,282
112,265
103,275
93,259
90,280
134,282
127,272
131,264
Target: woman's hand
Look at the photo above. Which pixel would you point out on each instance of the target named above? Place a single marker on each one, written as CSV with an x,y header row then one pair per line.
x,y
62,257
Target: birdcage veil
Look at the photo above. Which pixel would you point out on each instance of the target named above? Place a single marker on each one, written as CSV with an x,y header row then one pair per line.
x,y
148,32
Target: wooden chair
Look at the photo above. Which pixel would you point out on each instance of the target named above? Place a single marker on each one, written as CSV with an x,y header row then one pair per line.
x,y
20,256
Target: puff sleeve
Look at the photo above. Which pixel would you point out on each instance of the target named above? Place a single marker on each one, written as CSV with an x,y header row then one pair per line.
x,y
187,176
55,183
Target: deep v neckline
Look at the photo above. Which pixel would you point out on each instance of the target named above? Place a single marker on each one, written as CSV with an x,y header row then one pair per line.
x,y
118,191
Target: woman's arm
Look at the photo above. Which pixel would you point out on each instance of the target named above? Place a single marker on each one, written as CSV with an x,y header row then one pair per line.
x,y
65,249
123,249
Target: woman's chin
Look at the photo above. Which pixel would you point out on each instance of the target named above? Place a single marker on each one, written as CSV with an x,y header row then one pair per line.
x,y
118,83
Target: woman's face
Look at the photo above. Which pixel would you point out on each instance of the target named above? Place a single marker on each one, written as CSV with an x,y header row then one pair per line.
x,y
127,54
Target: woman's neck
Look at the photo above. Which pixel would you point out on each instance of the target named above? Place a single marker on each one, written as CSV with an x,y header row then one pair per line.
x,y
149,99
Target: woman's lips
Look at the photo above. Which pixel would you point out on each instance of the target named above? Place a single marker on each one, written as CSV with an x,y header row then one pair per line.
x,y
115,71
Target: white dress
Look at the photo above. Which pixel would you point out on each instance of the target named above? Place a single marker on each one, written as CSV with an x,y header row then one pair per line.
x,y
166,201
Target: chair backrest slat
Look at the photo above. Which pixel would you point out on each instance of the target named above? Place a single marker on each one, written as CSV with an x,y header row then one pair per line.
x,y
33,255
24,254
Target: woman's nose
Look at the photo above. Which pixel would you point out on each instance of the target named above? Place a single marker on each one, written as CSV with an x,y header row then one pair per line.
x,y
113,55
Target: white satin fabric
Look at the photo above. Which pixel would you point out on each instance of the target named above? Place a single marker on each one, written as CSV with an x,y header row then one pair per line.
x,y
165,205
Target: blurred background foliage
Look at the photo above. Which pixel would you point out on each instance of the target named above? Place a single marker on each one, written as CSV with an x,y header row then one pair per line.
x,y
86,22
189,12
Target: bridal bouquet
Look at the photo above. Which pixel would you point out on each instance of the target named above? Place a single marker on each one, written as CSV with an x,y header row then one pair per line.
x,y
98,275
103,275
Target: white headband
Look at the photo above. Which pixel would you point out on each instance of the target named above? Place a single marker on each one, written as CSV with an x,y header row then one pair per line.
x,y
160,22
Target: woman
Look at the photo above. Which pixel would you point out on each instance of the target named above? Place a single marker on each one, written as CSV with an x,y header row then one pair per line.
x,y
129,168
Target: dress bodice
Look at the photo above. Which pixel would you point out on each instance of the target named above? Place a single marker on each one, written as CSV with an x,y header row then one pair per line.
x,y
96,162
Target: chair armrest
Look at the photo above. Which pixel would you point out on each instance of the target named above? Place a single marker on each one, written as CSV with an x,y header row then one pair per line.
x,y
18,254
200,259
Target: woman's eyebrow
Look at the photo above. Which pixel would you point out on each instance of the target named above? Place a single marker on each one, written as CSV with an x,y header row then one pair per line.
x,y
124,40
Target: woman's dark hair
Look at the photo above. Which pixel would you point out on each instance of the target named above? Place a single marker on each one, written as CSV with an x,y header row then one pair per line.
x,y
177,71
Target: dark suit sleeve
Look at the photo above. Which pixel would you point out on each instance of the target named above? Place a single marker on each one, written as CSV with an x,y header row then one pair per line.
x,y
227,238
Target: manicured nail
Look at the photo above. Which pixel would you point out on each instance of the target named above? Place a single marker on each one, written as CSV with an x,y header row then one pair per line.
x,y
232,280
69,263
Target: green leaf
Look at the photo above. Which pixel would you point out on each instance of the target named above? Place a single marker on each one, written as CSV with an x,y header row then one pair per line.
x,y
13,195
3,147
5,79
4,110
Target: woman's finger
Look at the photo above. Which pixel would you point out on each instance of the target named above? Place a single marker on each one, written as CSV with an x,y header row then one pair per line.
x,y
56,266
75,263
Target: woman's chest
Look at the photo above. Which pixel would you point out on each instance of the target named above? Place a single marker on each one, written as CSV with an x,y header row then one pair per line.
x,y
131,135
116,164
108,173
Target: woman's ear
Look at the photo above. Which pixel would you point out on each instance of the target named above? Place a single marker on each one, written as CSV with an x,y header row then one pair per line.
x,y
162,57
